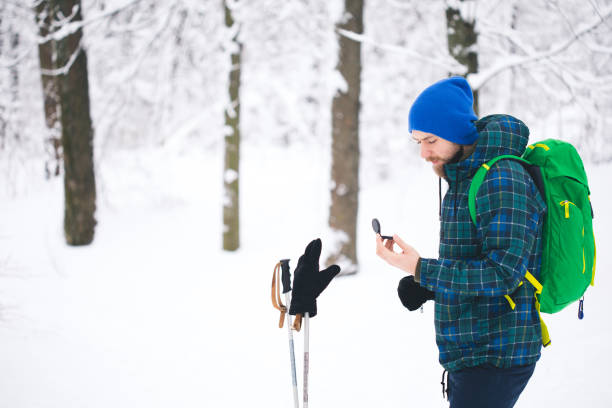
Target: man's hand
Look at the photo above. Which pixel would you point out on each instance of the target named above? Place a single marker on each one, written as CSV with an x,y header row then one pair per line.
x,y
411,294
406,260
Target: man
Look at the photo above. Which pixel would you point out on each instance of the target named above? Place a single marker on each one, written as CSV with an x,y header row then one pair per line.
x,y
488,348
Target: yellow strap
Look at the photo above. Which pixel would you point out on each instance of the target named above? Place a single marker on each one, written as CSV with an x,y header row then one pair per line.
x,y
542,145
537,285
566,203
486,166
510,301
594,261
594,255
545,335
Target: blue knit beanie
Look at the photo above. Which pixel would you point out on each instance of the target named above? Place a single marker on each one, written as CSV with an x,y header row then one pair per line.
x,y
446,110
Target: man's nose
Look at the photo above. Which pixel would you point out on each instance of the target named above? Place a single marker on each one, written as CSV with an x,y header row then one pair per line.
x,y
425,152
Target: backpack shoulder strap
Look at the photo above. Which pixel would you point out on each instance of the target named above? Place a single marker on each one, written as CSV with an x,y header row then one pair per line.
x,y
479,177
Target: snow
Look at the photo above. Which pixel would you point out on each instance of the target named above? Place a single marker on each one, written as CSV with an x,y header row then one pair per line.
x,y
340,82
446,63
155,314
231,175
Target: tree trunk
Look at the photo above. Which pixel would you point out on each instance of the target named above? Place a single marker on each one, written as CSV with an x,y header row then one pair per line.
x,y
231,175
14,70
10,110
513,71
46,58
462,40
77,131
3,108
345,143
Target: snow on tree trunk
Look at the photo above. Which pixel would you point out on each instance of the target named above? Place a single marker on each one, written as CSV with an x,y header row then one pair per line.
x,y
11,123
462,37
345,141
77,131
231,176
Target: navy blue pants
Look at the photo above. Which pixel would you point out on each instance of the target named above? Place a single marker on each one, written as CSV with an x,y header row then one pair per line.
x,y
487,386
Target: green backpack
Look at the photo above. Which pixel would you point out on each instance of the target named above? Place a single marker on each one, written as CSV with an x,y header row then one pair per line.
x,y
568,244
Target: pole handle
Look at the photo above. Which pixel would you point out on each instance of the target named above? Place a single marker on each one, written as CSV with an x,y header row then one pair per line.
x,y
285,275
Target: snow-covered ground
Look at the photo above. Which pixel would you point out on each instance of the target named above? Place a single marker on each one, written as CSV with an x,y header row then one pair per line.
x,y
155,314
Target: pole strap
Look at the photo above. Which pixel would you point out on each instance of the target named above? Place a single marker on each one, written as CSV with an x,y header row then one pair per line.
x,y
276,299
538,291
297,322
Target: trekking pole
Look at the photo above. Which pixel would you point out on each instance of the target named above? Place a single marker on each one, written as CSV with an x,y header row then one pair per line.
x,y
308,283
306,358
276,302
286,278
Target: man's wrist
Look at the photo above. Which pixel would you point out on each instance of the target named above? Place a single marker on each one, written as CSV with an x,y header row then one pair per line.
x,y
417,271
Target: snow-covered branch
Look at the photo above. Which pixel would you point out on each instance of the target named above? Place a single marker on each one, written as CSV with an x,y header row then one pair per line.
x,y
449,64
68,28
10,63
477,80
598,48
66,68
154,37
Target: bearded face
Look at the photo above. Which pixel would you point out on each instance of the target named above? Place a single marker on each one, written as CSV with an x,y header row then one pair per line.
x,y
436,150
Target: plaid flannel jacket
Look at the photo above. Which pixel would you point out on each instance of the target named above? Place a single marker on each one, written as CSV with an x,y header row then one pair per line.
x,y
477,266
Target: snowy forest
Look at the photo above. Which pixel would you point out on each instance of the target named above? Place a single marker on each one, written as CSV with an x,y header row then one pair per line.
x,y
83,80
159,141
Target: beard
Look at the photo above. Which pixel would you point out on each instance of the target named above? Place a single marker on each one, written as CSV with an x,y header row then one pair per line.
x,y
438,168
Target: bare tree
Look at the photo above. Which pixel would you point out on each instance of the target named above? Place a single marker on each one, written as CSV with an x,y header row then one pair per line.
x,y
345,142
3,121
231,175
462,37
76,125
14,82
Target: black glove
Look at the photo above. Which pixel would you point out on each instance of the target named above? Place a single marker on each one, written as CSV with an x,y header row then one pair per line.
x,y
412,294
308,282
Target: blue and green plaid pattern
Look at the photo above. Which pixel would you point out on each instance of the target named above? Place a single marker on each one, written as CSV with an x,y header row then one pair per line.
x,y
477,266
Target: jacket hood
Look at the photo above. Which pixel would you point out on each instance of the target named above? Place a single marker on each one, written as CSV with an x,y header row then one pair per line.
x,y
497,135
